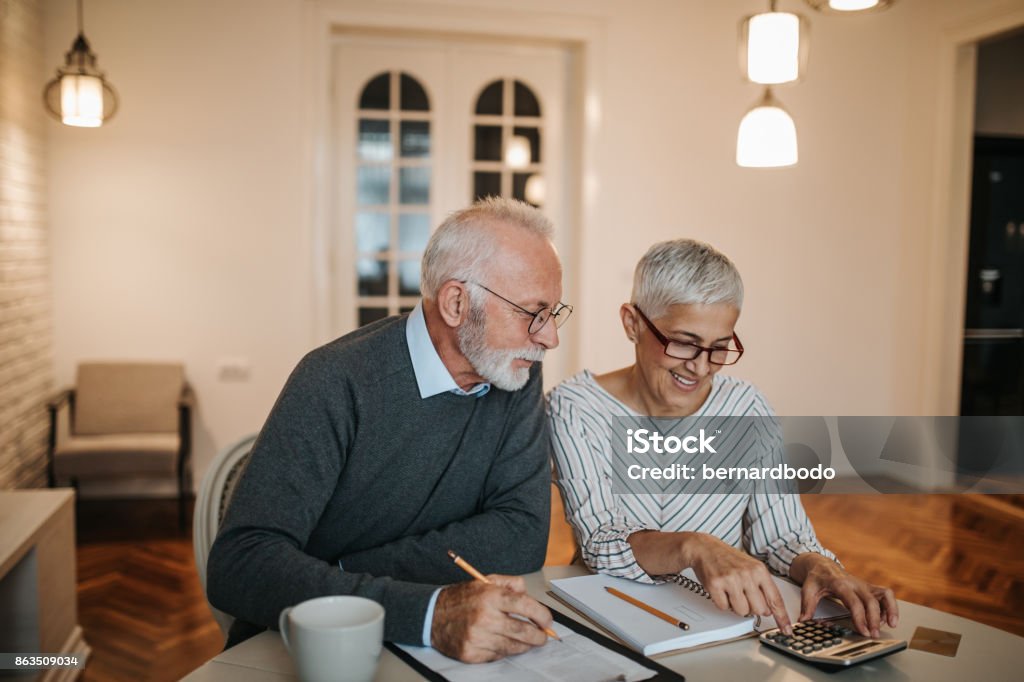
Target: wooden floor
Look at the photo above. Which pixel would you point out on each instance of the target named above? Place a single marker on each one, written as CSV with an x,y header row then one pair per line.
x,y
140,604
143,613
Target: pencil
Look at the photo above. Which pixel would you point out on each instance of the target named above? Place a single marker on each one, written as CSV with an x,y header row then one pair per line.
x,y
477,575
649,609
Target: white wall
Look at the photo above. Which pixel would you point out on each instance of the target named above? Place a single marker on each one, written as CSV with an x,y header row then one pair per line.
x,y
177,229
181,230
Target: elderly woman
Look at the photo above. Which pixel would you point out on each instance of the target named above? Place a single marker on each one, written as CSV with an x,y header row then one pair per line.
x,y
686,300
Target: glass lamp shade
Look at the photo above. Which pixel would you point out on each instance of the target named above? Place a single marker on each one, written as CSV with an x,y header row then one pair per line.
x,y
767,136
773,47
517,153
535,190
81,101
849,6
80,95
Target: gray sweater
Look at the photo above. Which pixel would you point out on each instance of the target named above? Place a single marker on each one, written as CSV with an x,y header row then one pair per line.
x,y
353,466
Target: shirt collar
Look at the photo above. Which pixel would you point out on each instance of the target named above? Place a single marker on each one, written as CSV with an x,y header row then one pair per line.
x,y
432,377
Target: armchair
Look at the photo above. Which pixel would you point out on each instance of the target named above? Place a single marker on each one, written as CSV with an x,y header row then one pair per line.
x,y
123,420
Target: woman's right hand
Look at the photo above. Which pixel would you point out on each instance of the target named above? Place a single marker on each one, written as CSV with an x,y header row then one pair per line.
x,y
735,580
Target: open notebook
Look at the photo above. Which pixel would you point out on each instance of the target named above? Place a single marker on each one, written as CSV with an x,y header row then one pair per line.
x,y
685,599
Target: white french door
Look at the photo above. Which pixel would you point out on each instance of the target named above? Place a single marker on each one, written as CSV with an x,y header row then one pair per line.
x,y
422,126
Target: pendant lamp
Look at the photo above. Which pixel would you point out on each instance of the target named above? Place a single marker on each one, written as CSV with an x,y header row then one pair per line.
x,y
849,6
773,47
80,94
767,136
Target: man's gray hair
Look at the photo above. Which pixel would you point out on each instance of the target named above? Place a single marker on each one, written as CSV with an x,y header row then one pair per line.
x,y
460,249
685,271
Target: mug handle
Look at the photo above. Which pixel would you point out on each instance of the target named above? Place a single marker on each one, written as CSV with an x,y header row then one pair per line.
x,y
282,625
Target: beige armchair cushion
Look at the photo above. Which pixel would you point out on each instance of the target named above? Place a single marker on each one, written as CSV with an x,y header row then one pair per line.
x,y
146,454
127,398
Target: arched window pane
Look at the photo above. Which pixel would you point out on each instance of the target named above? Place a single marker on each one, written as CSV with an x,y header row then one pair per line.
x,y
519,185
409,278
374,140
413,96
414,185
374,185
413,232
415,139
488,143
373,232
373,277
376,94
526,101
486,185
490,100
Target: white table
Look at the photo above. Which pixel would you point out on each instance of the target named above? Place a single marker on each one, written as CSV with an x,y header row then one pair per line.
x,y
985,653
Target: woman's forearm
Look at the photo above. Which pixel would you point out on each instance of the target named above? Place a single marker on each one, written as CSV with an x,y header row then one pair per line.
x,y
659,552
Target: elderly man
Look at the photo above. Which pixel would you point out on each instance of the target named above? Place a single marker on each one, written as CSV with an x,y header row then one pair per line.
x,y
405,438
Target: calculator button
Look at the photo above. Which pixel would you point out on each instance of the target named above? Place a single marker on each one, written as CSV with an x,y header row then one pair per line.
x,y
808,649
818,647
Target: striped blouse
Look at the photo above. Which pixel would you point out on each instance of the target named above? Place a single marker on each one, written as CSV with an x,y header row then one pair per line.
x,y
772,527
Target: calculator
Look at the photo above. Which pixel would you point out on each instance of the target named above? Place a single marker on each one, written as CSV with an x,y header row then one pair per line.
x,y
830,643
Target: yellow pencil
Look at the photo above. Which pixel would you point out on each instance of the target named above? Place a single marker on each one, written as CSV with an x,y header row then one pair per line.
x,y
477,575
648,608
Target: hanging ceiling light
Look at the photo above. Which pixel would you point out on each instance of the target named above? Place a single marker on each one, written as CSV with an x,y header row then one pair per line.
x,y
80,94
773,47
767,136
849,5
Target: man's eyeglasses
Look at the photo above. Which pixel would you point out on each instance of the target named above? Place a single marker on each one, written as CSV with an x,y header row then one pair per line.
x,y
560,312
681,350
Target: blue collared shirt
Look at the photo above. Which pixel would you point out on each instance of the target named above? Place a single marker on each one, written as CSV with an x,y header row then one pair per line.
x,y
432,378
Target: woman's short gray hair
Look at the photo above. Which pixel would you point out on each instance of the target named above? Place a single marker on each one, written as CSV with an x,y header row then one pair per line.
x,y
685,271
460,249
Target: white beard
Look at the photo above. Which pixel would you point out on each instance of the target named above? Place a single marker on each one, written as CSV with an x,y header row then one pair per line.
x,y
494,364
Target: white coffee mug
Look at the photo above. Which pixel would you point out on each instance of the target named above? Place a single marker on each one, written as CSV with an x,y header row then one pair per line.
x,y
334,639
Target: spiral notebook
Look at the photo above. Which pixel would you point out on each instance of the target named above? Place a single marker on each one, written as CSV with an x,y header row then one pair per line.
x,y
683,597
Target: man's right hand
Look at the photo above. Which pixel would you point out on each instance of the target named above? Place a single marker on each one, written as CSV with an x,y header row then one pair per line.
x,y
473,621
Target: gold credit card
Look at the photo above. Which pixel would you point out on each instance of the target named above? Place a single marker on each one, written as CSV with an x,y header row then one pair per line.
x,y
935,641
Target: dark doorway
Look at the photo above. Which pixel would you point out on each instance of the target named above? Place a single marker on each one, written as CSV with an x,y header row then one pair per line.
x,y
993,360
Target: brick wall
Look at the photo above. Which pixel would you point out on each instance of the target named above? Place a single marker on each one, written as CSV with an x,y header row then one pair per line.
x,y
26,329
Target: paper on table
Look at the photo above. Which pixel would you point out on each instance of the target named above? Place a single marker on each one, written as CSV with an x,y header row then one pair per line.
x,y
574,658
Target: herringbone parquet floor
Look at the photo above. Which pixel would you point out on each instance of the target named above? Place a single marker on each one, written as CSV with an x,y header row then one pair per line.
x,y
139,600
144,615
